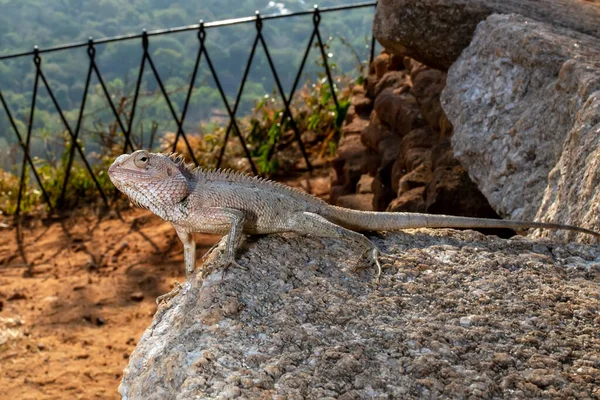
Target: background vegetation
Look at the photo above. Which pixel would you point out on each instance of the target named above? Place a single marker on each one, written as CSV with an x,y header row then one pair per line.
x,y
44,23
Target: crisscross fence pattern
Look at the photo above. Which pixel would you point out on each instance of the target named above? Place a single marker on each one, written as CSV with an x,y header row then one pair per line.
x,y
258,20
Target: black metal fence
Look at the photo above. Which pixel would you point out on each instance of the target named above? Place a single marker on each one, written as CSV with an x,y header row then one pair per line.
x,y
147,62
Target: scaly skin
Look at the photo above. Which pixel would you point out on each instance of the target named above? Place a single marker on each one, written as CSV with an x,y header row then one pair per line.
x,y
233,204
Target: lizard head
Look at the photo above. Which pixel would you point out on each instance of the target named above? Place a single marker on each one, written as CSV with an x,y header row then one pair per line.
x,y
150,180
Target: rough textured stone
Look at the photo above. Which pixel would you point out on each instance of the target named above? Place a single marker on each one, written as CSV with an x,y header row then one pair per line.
x,y
362,104
572,195
446,128
335,192
436,31
363,202
380,64
348,163
382,186
399,81
299,323
427,88
416,157
512,98
450,191
365,184
420,176
350,115
370,162
398,111
411,201
374,132
355,127
388,149
421,138
442,155
370,84
358,89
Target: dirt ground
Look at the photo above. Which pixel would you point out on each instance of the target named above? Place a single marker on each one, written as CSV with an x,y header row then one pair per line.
x,y
77,293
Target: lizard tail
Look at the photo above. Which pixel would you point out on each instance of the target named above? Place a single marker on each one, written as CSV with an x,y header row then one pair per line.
x,y
390,221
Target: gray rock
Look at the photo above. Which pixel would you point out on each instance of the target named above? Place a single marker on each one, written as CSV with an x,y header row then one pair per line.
x,y
572,195
514,96
436,31
300,324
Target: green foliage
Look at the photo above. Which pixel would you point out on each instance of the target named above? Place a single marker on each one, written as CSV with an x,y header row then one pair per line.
x,y
26,23
314,111
270,139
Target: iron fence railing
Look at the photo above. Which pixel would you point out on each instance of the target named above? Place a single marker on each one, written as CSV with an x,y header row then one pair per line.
x,y
147,61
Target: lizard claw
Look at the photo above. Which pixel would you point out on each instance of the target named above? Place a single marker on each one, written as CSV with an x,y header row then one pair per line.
x,y
168,296
225,265
373,257
231,263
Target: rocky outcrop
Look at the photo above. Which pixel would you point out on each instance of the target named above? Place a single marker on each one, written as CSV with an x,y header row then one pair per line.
x,y
403,148
572,195
523,100
456,315
435,32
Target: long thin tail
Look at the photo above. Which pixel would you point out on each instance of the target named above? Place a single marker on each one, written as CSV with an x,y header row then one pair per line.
x,y
390,221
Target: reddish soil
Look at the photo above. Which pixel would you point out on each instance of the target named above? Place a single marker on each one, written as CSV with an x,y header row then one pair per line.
x,y
77,293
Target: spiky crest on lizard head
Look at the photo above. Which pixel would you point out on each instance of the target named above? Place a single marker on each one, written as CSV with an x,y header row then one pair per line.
x,y
156,182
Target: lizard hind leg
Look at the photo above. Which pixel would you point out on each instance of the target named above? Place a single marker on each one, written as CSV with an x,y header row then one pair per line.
x,y
308,223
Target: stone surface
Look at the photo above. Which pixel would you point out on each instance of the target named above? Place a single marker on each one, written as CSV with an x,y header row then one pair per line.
x,y
436,31
513,98
410,201
399,111
355,127
335,192
347,165
573,192
362,105
450,191
382,186
427,88
413,152
370,84
374,132
388,149
420,176
357,201
365,184
442,155
399,81
455,315
381,64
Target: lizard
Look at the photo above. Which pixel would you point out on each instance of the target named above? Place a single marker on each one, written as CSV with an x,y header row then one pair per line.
x,y
231,203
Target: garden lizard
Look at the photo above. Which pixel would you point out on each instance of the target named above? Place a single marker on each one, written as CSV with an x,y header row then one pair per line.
x,y
232,203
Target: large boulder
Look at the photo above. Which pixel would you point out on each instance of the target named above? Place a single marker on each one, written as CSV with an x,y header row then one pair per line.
x,y
455,315
522,97
573,192
436,31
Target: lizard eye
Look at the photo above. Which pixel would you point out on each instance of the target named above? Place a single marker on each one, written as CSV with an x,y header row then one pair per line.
x,y
141,159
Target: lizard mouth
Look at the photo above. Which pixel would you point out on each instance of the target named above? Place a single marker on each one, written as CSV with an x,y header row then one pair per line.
x,y
118,174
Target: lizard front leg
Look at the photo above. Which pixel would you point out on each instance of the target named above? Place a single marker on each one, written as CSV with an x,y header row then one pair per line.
x,y
189,249
219,220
